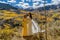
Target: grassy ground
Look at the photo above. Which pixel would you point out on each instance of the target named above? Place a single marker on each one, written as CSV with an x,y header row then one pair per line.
x,y
11,29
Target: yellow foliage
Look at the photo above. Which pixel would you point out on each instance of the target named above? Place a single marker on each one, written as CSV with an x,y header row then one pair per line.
x,y
49,19
55,15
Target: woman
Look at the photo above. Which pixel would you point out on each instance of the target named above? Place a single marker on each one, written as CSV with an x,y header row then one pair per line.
x,y
27,28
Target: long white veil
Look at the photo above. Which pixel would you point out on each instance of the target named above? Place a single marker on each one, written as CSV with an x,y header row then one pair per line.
x,y
35,27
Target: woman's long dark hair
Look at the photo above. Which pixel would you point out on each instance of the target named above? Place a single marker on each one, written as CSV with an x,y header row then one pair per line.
x,y
30,15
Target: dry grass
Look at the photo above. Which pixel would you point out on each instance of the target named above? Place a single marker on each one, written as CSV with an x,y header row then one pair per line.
x,y
14,33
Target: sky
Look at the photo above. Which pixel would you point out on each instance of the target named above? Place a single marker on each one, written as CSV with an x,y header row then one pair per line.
x,y
30,3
